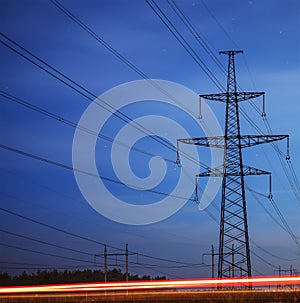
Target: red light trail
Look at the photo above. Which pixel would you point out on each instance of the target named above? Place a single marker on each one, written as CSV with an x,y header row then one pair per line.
x,y
152,285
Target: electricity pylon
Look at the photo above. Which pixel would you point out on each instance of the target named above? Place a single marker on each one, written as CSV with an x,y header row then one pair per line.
x,y
234,250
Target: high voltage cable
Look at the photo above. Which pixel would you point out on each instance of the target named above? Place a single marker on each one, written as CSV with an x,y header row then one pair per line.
x,y
292,179
160,140
121,57
33,156
195,33
217,21
263,259
99,39
44,253
273,255
144,255
143,264
266,210
43,266
166,21
78,89
92,255
71,123
89,239
109,47
44,242
280,215
118,54
195,264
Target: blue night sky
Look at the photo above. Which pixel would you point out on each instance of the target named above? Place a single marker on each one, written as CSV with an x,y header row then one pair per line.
x,y
269,33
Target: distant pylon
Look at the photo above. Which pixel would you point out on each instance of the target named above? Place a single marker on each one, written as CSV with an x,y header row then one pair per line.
x,y
234,250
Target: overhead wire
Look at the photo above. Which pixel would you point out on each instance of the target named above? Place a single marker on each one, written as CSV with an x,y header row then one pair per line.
x,y
139,264
166,21
42,266
48,161
195,33
72,124
13,213
284,222
81,90
160,140
44,253
44,242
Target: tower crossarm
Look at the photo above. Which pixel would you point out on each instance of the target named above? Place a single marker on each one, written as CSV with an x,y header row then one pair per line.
x,y
251,140
238,96
217,141
219,172
245,140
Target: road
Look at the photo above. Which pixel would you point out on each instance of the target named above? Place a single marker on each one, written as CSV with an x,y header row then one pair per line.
x,y
264,289
242,296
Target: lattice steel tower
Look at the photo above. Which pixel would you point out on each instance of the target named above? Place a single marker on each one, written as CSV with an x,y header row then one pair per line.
x,y
234,250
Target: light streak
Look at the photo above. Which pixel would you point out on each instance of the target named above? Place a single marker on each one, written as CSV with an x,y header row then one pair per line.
x,y
151,285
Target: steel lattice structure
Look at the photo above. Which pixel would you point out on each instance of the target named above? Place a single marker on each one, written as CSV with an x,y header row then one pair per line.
x,y
234,250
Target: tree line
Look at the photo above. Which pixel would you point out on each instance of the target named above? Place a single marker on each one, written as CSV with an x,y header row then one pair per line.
x,y
67,276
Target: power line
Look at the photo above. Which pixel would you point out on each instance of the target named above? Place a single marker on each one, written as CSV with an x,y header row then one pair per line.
x,y
182,264
89,239
219,24
267,211
44,253
263,259
271,254
160,140
42,266
280,215
71,123
195,33
92,255
98,38
45,242
55,163
82,91
170,26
